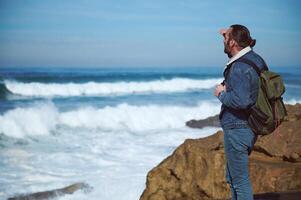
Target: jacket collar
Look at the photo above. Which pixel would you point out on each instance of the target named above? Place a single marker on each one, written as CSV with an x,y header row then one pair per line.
x,y
239,55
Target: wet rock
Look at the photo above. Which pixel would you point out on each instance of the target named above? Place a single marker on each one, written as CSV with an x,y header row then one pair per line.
x,y
54,193
210,121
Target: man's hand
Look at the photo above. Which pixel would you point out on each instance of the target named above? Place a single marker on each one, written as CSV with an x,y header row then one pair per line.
x,y
219,88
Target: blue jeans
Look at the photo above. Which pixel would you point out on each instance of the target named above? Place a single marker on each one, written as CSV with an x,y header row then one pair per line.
x,y
238,146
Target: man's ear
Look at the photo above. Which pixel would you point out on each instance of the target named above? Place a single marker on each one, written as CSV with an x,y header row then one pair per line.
x,y
232,43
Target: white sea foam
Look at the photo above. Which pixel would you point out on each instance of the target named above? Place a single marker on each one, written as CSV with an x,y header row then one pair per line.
x,y
42,119
104,89
37,120
110,148
115,165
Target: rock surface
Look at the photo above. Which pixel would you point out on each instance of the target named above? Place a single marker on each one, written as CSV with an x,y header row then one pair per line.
x,y
196,169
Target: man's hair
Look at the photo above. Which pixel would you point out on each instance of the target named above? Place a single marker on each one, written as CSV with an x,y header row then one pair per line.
x,y
241,35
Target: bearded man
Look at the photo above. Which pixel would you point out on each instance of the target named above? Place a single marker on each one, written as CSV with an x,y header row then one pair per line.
x,y
237,94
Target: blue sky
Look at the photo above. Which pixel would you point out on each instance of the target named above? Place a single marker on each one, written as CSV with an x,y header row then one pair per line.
x,y
142,33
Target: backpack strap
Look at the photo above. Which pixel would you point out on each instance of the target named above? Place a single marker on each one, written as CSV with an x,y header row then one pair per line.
x,y
247,61
252,64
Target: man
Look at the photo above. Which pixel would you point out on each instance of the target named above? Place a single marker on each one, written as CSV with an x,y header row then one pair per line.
x,y
238,93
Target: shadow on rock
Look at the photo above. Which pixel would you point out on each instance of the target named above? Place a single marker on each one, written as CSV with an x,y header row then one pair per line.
x,y
278,196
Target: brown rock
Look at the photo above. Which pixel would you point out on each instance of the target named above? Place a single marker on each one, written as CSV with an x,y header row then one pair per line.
x,y
285,142
196,169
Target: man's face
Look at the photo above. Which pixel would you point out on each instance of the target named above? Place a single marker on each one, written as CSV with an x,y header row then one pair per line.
x,y
227,45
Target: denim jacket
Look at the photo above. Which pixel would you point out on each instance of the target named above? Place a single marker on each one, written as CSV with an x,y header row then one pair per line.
x,y
241,92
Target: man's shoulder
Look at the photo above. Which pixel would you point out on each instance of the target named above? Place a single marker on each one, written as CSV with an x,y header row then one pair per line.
x,y
239,67
252,55
255,58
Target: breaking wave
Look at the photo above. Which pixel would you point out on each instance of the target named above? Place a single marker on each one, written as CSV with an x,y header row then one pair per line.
x,y
109,88
3,91
43,119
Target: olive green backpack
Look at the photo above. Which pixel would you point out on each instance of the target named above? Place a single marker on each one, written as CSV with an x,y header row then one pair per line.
x,y
269,110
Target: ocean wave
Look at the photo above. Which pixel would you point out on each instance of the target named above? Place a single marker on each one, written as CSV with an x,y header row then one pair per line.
x,y
36,120
292,101
295,86
3,91
43,119
107,89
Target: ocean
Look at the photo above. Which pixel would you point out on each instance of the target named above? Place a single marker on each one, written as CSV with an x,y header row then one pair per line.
x,y
106,127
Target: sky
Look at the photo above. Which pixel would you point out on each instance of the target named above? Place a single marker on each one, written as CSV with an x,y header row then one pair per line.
x,y
143,33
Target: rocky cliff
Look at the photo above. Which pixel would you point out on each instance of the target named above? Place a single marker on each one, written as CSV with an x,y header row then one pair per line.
x,y
196,169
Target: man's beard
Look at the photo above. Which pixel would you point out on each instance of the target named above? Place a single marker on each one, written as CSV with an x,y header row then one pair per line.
x,y
226,50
